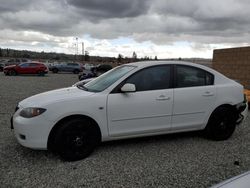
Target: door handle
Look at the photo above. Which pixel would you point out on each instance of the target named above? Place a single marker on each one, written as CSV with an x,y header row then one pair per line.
x,y
208,93
162,98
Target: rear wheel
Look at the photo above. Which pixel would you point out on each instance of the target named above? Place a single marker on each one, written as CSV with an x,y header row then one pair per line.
x,y
221,124
76,139
40,73
12,73
55,70
76,71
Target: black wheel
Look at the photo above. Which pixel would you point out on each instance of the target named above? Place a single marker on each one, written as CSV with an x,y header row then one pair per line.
x,y
12,73
76,71
40,73
76,139
55,70
221,124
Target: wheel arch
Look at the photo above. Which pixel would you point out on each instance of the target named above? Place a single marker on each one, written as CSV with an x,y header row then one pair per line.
x,y
226,105
58,124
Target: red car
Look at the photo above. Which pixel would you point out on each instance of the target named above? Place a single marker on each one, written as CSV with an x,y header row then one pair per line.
x,y
26,68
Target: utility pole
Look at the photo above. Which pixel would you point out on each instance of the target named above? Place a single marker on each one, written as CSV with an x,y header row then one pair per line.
x,y
82,51
82,48
76,47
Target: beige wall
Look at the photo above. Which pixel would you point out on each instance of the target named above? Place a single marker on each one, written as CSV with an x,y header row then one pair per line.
x,y
234,63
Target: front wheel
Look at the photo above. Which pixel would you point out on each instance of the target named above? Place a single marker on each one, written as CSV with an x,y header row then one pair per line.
x,y
221,124
76,139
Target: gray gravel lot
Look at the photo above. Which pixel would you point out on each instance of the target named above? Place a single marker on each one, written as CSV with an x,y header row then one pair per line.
x,y
179,160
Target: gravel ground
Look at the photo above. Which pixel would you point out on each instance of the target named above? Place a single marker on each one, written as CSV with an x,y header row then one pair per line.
x,y
179,160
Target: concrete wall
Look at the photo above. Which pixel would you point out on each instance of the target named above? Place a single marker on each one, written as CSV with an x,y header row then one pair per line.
x,y
234,63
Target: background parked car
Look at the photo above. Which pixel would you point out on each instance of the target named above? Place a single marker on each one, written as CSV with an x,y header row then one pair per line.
x,y
88,66
66,67
2,65
95,71
26,68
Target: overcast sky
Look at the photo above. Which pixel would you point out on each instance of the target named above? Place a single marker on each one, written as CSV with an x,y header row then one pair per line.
x,y
163,28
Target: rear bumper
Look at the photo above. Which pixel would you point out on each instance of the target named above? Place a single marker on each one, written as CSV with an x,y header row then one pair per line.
x,y
242,111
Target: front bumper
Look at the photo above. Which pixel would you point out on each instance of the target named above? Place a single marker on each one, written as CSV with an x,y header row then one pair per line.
x,y
31,132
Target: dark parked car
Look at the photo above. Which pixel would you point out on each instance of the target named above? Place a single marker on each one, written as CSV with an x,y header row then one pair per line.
x,y
95,71
2,65
26,68
66,67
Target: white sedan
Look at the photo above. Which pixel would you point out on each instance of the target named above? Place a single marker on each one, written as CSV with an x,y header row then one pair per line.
x,y
132,100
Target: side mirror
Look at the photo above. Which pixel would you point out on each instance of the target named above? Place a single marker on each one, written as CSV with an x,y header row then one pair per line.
x,y
126,88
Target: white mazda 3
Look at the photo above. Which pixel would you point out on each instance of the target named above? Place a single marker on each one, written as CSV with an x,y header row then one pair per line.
x,y
132,100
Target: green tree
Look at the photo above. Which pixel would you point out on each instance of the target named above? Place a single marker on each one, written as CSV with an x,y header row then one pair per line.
x,y
134,56
119,58
1,53
86,56
156,58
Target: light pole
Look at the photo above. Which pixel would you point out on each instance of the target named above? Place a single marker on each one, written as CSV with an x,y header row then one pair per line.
x,y
76,47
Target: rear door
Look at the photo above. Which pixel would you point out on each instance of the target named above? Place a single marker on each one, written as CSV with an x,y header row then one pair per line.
x,y
194,97
148,110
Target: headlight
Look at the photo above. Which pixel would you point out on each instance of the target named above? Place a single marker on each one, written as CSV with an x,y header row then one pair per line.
x,y
31,112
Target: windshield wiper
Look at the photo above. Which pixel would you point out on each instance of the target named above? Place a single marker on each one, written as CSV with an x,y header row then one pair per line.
x,y
81,86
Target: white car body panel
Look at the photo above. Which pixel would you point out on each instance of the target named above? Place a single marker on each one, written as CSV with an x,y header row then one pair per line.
x,y
240,181
128,115
186,115
151,113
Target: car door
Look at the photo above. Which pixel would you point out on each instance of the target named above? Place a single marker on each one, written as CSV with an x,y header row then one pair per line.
x,y
33,68
194,97
23,68
148,110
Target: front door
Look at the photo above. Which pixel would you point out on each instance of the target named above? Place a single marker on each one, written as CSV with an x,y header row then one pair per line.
x,y
148,110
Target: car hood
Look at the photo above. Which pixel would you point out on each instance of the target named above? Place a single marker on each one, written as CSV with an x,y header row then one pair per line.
x,y
64,94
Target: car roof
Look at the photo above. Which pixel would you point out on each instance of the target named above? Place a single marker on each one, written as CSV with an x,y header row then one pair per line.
x,y
149,63
32,62
142,64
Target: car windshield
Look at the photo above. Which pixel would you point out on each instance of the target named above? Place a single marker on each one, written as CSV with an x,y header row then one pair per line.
x,y
104,81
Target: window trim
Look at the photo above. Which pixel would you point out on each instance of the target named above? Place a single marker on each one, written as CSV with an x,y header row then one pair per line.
x,y
117,89
175,76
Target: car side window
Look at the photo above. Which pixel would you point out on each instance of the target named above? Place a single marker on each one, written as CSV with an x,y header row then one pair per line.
x,y
153,78
187,76
33,64
24,65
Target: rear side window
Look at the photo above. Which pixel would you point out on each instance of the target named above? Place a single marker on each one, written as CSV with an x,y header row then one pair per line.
x,y
153,78
33,64
187,76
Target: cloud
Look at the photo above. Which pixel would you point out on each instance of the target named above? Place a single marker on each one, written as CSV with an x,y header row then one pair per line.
x,y
202,24
101,9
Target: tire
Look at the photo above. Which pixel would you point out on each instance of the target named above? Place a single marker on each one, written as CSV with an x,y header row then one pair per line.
x,y
221,124
76,139
76,71
12,73
55,70
40,73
